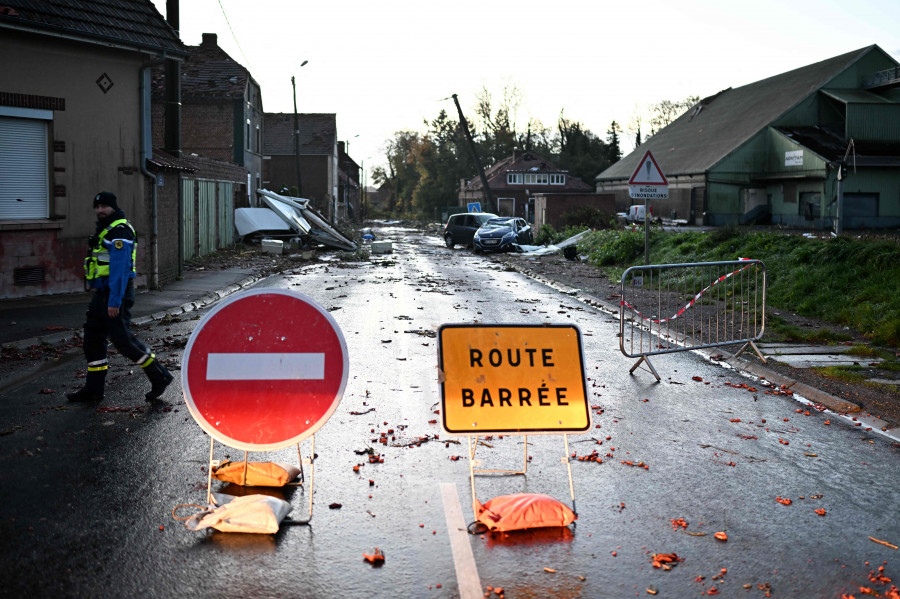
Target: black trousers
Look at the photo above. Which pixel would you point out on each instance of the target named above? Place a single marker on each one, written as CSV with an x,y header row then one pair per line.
x,y
98,327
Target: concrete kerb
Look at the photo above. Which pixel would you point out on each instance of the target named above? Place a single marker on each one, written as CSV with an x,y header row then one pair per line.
x,y
804,392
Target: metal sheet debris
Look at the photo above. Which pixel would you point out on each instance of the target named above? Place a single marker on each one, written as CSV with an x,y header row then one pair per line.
x,y
248,221
306,220
537,250
289,212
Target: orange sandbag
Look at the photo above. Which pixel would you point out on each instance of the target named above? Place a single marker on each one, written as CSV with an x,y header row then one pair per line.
x,y
259,474
523,510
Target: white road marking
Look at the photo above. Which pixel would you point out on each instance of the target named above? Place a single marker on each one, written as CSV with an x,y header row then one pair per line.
x,y
265,367
463,559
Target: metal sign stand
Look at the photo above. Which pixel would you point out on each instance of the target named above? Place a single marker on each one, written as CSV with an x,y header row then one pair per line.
x,y
645,358
472,441
308,462
756,349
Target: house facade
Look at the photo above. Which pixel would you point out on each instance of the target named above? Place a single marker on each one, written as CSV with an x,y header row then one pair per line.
x,y
221,112
514,183
80,127
317,154
349,196
817,147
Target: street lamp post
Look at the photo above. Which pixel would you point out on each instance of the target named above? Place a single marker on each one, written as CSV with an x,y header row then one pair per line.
x,y
297,135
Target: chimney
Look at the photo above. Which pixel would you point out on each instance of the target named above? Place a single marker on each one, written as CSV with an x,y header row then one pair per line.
x,y
210,39
172,110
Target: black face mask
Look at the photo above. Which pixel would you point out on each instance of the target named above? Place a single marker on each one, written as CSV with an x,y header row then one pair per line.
x,y
102,224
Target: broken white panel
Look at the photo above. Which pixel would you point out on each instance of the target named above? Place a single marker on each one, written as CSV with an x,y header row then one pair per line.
x,y
537,250
252,220
289,214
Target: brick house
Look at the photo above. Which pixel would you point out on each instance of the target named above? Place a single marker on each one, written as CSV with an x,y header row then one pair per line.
x,y
221,111
217,162
318,157
74,92
348,185
516,180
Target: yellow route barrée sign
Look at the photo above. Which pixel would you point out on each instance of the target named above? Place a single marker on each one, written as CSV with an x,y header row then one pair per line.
x,y
512,379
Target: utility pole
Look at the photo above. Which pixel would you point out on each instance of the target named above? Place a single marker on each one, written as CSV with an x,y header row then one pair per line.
x,y
484,182
297,135
297,140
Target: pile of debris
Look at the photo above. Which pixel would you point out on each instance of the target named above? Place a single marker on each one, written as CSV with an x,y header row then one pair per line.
x,y
287,221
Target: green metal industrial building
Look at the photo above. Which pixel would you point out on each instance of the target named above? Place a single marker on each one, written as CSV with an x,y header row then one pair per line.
x,y
817,147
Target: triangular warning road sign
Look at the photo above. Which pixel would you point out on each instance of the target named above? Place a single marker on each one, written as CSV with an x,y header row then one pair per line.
x,y
648,172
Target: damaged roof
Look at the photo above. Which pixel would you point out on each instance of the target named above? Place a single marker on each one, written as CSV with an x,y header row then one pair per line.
x,y
134,24
525,162
207,72
832,147
718,125
163,160
318,133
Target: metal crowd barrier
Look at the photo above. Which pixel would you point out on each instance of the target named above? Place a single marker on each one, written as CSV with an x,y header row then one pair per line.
x,y
667,308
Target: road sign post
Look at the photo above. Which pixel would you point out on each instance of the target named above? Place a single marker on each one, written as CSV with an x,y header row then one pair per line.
x,y
512,380
264,370
648,182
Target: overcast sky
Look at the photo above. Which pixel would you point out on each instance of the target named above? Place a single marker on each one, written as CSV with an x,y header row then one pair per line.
x,y
388,66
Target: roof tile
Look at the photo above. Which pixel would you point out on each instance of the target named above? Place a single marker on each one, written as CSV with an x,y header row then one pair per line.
x,y
134,23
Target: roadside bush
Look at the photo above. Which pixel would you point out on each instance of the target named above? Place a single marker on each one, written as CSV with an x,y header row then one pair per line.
x,y
847,281
546,235
613,248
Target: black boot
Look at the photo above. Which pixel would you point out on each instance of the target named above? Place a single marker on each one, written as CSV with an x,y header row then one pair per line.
x,y
159,377
93,387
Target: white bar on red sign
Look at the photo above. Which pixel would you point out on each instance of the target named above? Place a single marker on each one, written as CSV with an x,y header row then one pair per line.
x,y
265,367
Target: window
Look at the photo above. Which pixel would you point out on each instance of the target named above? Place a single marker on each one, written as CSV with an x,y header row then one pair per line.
x,y
24,168
514,178
536,178
557,179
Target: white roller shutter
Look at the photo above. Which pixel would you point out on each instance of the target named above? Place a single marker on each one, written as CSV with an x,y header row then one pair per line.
x,y
24,184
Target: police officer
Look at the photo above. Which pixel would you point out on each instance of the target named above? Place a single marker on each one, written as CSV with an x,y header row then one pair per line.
x,y
109,268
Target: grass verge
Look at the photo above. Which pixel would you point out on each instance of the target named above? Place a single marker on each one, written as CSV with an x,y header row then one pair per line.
x,y
841,280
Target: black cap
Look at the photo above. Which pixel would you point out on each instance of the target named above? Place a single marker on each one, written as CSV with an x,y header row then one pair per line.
x,y
107,199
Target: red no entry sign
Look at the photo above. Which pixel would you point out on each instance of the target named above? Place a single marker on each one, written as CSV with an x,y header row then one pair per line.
x,y
264,369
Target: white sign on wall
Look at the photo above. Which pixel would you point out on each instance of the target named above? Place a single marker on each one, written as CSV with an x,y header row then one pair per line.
x,y
794,158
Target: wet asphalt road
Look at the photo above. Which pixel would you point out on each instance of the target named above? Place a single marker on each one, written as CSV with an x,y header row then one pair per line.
x,y
86,492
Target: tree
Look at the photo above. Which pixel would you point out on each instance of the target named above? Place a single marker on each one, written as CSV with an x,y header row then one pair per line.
x,y
665,112
425,169
581,152
442,160
613,152
401,168
634,125
499,137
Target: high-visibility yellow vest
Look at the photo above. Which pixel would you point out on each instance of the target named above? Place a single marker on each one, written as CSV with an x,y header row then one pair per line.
x,y
96,264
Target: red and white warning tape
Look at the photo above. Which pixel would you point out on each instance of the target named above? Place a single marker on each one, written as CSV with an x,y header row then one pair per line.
x,y
690,303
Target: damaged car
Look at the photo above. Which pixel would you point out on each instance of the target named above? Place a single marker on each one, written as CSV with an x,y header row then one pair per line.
x,y
460,228
501,234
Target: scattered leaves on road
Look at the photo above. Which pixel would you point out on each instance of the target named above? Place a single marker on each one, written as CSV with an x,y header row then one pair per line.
x,y
880,542
665,561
